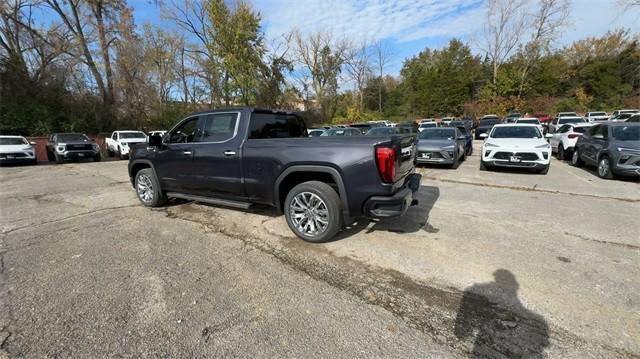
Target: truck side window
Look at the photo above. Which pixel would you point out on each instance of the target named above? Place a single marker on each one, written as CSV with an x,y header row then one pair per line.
x,y
114,136
218,127
186,132
272,125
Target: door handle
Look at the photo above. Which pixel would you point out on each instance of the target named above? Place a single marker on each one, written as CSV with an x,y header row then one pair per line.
x,y
187,153
229,153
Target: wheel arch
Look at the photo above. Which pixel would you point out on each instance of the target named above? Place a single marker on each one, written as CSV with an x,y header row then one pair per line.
x,y
297,174
136,166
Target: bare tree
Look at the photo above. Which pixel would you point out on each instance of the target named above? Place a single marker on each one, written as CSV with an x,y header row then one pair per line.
x,y
321,58
550,17
505,25
382,55
358,64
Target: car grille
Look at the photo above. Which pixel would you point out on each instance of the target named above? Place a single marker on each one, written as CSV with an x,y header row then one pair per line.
x,y
79,147
13,154
525,156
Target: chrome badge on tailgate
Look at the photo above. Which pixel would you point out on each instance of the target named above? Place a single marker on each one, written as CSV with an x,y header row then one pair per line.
x,y
406,152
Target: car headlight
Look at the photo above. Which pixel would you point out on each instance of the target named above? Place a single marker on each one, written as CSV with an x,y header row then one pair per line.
x,y
488,144
96,147
546,145
61,148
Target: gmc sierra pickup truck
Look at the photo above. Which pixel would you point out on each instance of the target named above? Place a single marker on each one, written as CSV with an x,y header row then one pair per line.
x,y
242,156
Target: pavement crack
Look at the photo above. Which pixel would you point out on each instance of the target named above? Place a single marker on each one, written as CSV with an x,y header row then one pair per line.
x,y
531,189
588,239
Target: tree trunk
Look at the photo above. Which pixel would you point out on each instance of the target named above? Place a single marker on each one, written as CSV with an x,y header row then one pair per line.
x,y
98,12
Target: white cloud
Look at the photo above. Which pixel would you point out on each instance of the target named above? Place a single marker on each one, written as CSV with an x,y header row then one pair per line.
x,y
360,20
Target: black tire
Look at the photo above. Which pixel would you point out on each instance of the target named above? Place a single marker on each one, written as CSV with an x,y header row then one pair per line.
x,y
456,162
464,155
50,156
604,169
560,154
470,150
331,201
576,161
483,166
58,158
148,177
110,153
544,170
97,158
34,162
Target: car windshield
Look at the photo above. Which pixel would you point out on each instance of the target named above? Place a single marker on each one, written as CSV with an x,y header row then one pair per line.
x,y
535,122
457,123
626,133
428,124
336,132
488,122
437,134
598,113
72,137
127,135
382,131
516,132
13,141
580,129
564,120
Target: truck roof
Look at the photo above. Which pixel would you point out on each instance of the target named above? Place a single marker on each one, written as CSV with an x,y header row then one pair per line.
x,y
242,108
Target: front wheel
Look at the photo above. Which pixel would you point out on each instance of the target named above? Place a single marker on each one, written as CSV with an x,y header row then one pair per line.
x,y
313,211
58,158
604,168
148,188
561,154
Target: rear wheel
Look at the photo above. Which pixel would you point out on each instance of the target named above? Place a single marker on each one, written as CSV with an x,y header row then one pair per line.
x,y
560,153
110,153
58,158
313,211
148,188
97,158
604,168
575,158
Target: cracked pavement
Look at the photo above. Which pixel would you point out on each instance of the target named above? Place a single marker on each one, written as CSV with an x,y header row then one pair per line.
x,y
493,264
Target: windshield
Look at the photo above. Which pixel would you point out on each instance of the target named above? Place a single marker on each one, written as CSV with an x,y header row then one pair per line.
x,y
127,135
13,141
437,134
382,131
626,133
428,124
516,132
535,122
336,132
598,114
72,137
562,121
488,122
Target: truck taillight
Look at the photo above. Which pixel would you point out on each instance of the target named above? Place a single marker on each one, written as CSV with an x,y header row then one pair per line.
x,y
386,161
574,135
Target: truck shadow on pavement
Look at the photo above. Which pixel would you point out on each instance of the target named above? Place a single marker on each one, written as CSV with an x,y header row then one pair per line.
x,y
416,218
495,332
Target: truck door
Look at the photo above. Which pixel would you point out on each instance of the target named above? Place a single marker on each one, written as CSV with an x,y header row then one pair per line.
x,y
217,168
174,159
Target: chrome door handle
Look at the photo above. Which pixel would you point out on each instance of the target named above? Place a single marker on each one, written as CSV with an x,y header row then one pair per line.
x,y
187,153
229,153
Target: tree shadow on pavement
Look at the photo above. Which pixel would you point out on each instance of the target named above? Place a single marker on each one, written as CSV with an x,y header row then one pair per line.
x,y
495,331
416,218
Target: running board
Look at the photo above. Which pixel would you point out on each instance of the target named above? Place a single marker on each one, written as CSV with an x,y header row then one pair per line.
x,y
209,200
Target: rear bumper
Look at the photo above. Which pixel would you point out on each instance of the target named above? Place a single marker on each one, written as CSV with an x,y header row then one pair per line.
x,y
395,205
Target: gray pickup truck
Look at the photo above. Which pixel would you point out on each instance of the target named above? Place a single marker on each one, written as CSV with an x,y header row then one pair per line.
x,y
240,156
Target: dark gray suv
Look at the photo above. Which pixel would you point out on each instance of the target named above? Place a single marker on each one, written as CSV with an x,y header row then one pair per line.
x,y
614,148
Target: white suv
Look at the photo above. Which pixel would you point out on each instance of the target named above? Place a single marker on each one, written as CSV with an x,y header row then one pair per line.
x,y
596,116
516,146
564,140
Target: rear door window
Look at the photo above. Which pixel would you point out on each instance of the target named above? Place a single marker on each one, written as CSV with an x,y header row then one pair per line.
x,y
273,125
218,127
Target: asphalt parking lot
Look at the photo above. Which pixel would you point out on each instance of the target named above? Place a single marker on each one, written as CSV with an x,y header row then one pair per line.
x,y
496,264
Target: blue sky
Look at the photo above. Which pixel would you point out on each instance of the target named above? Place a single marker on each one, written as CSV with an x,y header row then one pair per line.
x,y
408,26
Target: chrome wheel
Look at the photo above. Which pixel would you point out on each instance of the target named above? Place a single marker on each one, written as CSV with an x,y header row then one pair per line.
x,y
603,167
575,157
144,187
309,214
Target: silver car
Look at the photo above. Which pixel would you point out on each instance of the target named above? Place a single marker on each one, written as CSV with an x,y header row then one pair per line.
x,y
444,145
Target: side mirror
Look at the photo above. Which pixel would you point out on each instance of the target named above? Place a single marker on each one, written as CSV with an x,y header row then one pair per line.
x,y
484,135
155,141
548,135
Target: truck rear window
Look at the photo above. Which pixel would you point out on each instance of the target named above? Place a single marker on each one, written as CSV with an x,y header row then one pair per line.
x,y
272,125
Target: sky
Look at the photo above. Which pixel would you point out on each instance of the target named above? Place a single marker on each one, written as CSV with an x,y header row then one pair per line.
x,y
408,26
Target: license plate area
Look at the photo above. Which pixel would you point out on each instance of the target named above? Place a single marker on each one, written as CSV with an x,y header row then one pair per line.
x,y
426,155
515,159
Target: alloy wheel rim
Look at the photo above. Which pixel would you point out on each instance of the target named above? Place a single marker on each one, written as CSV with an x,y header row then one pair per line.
x,y
574,158
144,188
309,214
603,167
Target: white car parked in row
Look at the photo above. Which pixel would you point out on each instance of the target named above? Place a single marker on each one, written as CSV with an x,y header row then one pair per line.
x,y
619,112
596,116
120,141
557,122
516,146
531,121
16,149
564,140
